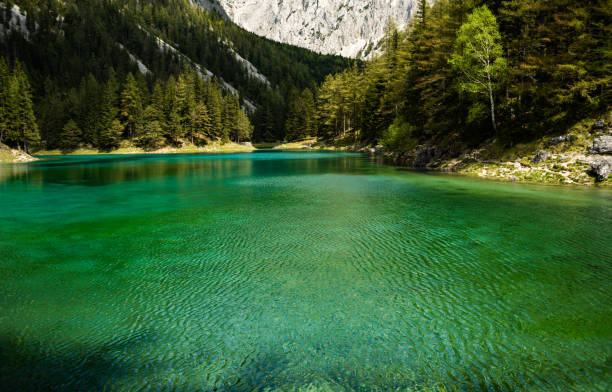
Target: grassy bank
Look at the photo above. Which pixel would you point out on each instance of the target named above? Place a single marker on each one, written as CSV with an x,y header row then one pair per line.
x,y
9,155
187,148
567,161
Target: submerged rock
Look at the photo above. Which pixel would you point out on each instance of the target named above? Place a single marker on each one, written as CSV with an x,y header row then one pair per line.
x,y
601,168
602,145
540,157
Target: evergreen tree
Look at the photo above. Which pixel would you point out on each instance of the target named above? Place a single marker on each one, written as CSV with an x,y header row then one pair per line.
x,y
131,106
301,117
421,14
158,102
183,104
150,131
107,140
4,91
90,109
200,123
243,129
213,101
71,137
109,137
231,108
24,122
12,112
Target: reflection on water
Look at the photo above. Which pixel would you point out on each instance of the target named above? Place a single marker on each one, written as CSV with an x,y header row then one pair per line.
x,y
297,271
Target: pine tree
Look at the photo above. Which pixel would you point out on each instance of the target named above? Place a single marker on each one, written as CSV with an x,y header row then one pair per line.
x,y
301,117
213,101
231,110
150,131
131,106
200,122
108,113
4,90
52,114
183,104
12,112
90,109
158,102
71,137
26,124
421,14
109,137
243,129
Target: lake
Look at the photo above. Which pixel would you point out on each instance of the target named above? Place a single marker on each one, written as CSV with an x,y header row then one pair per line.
x,y
280,271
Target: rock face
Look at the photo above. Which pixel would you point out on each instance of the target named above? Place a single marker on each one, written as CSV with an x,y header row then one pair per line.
x,y
602,145
601,168
540,157
350,28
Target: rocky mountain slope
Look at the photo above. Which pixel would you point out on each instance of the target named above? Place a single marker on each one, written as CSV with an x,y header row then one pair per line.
x,y
350,28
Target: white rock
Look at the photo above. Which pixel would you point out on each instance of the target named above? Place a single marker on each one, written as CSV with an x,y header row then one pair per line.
x,y
344,27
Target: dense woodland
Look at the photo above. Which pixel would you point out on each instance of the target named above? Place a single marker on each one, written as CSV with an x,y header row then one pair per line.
x,y
77,62
464,71
548,65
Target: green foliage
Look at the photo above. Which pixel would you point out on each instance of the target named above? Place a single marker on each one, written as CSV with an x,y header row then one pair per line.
x,y
18,125
301,117
110,136
77,42
71,137
399,136
478,55
200,123
150,131
421,14
131,106
467,70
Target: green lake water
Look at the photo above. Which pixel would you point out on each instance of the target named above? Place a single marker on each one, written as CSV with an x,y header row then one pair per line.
x,y
298,271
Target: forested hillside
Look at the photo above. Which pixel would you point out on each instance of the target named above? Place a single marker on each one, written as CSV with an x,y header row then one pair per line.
x,y
153,71
469,70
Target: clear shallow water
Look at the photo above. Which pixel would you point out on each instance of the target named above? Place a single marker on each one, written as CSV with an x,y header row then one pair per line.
x,y
298,271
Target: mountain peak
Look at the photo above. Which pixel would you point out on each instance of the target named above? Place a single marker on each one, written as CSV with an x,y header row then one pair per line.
x,y
350,28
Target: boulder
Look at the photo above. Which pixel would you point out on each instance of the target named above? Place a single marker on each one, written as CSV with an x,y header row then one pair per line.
x,y
601,168
602,145
425,155
540,157
560,139
599,125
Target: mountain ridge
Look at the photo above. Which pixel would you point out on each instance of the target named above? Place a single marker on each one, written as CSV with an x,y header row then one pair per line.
x,y
349,28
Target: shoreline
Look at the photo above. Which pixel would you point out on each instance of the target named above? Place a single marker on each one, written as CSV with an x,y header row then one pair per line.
x,y
565,163
9,155
127,150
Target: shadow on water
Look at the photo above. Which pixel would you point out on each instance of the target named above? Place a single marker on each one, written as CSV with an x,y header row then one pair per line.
x,y
35,366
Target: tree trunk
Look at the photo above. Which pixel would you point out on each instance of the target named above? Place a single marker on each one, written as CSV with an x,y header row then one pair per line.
x,y
490,88
492,110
